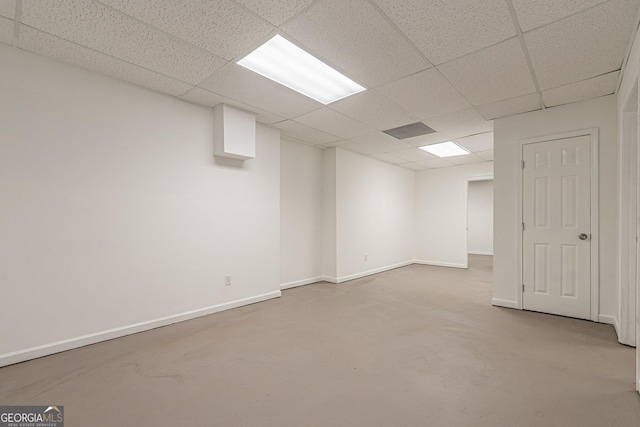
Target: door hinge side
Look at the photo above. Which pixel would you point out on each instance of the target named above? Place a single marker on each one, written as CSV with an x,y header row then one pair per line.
x,y
523,226
523,288
523,164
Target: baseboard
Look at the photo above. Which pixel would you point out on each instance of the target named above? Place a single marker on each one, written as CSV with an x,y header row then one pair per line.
x,y
301,283
504,303
611,320
342,279
480,253
69,344
370,272
439,264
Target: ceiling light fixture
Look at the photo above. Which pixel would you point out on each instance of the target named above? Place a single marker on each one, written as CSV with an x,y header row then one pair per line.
x,y
445,149
287,64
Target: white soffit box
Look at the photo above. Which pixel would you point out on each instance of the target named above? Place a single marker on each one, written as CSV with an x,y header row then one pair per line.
x,y
234,133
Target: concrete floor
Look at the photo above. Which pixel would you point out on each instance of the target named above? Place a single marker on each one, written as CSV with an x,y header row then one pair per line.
x,y
416,346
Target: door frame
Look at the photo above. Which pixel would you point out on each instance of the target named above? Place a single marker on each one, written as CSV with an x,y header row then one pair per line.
x,y
592,133
467,180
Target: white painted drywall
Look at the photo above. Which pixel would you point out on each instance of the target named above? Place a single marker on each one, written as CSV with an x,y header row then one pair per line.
x,y
375,215
625,318
301,213
440,236
114,212
329,220
630,296
480,218
597,113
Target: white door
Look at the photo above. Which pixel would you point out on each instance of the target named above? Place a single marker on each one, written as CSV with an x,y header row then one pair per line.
x,y
557,227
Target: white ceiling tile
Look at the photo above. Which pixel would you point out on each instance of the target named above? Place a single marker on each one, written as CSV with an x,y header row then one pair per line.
x,y
266,117
103,29
373,109
6,30
357,148
170,46
333,144
582,46
493,74
485,155
389,158
425,94
276,12
357,40
210,99
334,123
413,155
305,133
465,160
532,14
475,143
509,107
221,27
236,82
586,89
8,8
435,163
413,166
62,50
460,123
379,142
432,138
203,97
447,29
297,141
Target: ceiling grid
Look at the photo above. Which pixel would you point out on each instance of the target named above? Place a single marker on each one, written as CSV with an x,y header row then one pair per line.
x,y
453,65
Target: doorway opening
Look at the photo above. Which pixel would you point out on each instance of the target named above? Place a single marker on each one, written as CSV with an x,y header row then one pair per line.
x,y
479,211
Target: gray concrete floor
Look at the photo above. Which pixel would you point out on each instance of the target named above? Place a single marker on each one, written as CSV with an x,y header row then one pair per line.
x,y
416,346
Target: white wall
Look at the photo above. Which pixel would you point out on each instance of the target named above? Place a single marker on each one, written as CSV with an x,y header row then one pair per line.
x,y
329,220
301,214
480,217
628,310
375,215
628,191
113,211
441,217
597,113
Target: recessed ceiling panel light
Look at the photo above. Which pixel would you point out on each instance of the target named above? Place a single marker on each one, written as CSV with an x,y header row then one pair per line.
x,y
285,63
445,149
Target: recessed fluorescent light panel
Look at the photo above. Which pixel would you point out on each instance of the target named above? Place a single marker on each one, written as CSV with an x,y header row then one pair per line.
x,y
445,149
285,63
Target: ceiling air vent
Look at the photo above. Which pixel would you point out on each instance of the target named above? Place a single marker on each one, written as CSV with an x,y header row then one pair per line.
x,y
409,131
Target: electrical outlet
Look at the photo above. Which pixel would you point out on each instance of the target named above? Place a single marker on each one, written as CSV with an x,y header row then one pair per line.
x,y
366,257
227,280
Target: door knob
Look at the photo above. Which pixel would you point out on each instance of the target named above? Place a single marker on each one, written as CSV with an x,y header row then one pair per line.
x,y
583,236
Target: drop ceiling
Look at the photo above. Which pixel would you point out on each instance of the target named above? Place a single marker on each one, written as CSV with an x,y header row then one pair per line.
x,y
454,65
